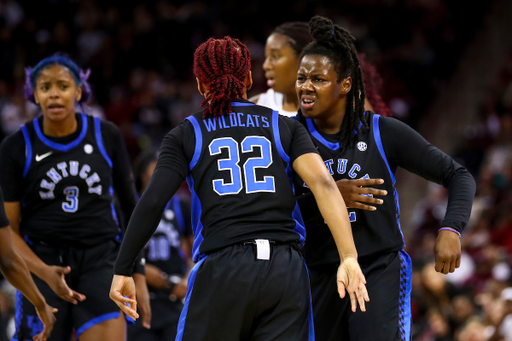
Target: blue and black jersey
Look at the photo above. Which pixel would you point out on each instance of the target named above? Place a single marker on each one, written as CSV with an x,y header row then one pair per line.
x,y
381,148
239,170
65,186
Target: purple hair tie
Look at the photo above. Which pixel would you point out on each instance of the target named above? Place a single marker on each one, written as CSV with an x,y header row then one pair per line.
x,y
450,229
332,32
86,88
28,93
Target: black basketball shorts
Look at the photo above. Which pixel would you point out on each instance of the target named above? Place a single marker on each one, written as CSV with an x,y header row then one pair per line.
x,y
234,296
388,314
91,275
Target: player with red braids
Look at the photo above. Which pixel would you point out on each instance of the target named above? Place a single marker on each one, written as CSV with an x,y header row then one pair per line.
x,y
250,281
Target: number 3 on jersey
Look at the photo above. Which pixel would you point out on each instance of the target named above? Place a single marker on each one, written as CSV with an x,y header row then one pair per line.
x,y
234,186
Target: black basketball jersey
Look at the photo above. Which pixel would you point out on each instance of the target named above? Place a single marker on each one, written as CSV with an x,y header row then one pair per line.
x,y
374,231
240,179
68,196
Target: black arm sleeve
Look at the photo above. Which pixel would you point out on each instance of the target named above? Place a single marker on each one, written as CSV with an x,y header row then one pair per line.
x,y
405,148
165,181
124,184
12,164
122,177
4,222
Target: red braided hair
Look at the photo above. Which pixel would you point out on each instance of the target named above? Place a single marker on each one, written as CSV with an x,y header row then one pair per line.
x,y
372,85
222,65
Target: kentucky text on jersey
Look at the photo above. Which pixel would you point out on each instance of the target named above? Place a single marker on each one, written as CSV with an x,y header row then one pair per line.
x,y
236,119
341,168
65,170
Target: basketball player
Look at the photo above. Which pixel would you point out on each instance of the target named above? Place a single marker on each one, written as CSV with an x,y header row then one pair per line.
x,y
282,50
16,272
355,144
250,281
59,174
168,255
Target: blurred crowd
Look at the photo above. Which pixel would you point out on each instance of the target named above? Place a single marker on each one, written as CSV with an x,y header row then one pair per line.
x,y
140,57
475,302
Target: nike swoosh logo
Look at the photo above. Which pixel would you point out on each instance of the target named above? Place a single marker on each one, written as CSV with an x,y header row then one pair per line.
x,y
40,157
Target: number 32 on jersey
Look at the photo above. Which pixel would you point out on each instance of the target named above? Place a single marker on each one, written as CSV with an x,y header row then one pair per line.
x,y
231,164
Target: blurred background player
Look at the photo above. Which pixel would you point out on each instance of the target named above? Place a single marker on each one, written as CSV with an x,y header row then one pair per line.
x,y
249,282
16,272
168,257
355,143
282,50
59,175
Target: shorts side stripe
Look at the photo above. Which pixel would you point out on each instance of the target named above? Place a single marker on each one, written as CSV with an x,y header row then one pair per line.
x,y
184,311
95,321
404,315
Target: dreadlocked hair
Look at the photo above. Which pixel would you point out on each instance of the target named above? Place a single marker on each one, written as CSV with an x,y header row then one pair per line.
x,y
222,65
372,85
337,44
297,33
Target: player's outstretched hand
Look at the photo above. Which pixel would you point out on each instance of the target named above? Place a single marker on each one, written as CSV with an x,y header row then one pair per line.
x,y
55,278
352,192
447,251
351,278
143,300
46,316
122,292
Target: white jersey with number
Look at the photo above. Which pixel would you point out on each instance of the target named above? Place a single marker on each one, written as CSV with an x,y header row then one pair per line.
x,y
274,100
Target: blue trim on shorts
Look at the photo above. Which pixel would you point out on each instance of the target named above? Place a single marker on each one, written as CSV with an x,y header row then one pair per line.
x,y
404,308
311,325
184,311
59,146
95,321
28,150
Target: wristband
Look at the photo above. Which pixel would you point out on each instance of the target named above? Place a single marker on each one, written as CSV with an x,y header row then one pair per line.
x,y
449,229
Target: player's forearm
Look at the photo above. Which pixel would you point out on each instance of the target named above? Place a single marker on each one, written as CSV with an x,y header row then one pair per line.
x,y
334,211
17,273
32,261
156,278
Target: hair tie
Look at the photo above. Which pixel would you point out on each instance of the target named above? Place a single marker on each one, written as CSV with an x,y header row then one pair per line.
x,y
332,33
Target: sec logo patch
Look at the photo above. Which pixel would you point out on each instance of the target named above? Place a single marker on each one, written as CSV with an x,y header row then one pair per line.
x,y
362,146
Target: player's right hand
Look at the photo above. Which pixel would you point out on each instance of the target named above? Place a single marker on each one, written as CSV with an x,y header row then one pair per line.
x,y
352,192
55,278
46,316
351,278
123,293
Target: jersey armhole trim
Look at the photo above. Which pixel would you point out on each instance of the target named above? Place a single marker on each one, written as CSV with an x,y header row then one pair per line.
x,y
28,150
199,139
99,140
277,136
378,141
176,205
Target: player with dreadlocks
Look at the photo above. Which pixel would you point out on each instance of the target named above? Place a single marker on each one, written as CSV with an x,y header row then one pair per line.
x,y
355,144
250,281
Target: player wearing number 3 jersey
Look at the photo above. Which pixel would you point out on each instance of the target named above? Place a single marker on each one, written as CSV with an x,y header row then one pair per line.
x,y
59,174
250,281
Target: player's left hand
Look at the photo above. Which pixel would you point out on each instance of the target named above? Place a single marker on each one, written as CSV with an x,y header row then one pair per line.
x,y
143,299
351,278
447,251
122,292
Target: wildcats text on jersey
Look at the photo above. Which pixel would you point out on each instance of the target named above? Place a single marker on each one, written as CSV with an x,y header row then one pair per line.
x,y
238,119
